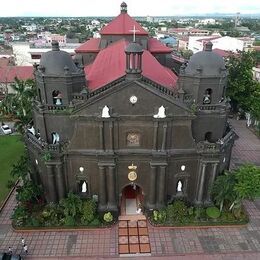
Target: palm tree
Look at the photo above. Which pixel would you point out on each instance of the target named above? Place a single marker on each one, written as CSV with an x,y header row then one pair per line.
x,y
25,93
223,190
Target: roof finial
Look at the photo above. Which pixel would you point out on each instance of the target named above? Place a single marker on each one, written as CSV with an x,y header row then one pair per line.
x,y
208,46
55,46
123,8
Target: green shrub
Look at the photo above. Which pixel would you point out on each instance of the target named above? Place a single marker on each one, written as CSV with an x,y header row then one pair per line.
x,y
159,216
88,211
213,212
177,212
69,221
95,222
108,217
199,213
20,215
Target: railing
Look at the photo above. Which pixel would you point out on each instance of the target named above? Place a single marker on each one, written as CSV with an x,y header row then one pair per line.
x,y
207,107
35,141
42,145
161,88
54,107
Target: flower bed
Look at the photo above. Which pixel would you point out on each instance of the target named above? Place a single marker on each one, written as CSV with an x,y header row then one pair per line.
x,y
178,214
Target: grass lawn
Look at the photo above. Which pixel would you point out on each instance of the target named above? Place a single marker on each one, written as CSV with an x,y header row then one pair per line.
x,y
11,148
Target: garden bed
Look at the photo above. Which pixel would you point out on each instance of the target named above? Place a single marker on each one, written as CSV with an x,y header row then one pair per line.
x,y
178,214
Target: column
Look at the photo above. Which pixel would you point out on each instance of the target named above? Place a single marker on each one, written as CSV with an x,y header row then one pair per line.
x,y
101,136
152,187
155,134
60,182
111,135
164,136
211,181
51,184
111,188
161,187
102,188
201,183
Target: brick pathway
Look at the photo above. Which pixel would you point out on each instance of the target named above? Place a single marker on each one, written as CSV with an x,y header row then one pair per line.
x,y
211,243
133,237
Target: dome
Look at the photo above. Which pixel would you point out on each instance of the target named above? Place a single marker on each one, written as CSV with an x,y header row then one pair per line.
x,y
205,63
57,62
134,47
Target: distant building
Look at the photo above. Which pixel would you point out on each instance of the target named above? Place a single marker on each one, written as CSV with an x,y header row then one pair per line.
x,y
226,43
188,32
9,73
183,43
30,28
207,21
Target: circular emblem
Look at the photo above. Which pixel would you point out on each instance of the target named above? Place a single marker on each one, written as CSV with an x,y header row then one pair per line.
x,y
132,176
133,99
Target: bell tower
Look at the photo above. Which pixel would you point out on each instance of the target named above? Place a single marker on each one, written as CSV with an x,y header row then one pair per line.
x,y
123,8
134,54
204,82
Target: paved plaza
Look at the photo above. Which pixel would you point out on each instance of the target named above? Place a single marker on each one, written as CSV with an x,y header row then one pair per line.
x,y
175,243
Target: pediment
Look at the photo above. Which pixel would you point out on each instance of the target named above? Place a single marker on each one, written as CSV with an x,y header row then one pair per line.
x,y
117,99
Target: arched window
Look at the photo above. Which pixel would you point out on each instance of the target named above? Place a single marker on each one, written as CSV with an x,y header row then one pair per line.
x,y
57,97
208,136
207,96
55,138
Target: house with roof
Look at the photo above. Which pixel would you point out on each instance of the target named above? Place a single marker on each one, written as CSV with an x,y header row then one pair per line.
x,y
8,75
119,126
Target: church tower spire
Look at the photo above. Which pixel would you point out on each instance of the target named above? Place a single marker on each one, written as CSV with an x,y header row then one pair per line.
x,y
123,8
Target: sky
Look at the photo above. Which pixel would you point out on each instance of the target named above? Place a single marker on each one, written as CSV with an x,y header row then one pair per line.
x,y
135,7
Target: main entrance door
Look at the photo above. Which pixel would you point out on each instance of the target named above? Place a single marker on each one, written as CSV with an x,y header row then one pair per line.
x,y
132,200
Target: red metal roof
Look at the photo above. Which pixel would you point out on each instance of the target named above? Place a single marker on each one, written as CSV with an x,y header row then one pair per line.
x,y
91,45
9,73
155,46
110,65
222,53
122,25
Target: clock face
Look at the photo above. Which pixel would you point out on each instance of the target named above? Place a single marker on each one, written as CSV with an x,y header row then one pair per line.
x,y
133,99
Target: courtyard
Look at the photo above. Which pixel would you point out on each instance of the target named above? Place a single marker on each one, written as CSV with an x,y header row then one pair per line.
x,y
170,243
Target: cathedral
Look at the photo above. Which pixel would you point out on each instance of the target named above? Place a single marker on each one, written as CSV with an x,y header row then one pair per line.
x,y
116,123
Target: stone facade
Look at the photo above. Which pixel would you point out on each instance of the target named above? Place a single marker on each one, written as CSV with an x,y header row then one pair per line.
x,y
132,131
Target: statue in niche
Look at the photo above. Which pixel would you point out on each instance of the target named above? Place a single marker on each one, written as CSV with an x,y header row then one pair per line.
x,y
105,112
161,113
84,187
207,97
31,130
179,186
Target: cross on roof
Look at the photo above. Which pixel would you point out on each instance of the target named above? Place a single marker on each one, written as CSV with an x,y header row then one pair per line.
x,y
134,31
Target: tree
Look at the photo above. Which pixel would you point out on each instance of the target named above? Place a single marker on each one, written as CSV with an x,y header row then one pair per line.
x,y
248,182
243,90
223,190
19,105
72,205
231,188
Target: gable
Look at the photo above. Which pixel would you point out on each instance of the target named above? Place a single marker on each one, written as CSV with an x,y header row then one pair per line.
x,y
148,101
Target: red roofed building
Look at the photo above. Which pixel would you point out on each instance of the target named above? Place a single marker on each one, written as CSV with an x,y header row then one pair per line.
x,y
123,129
9,73
122,27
